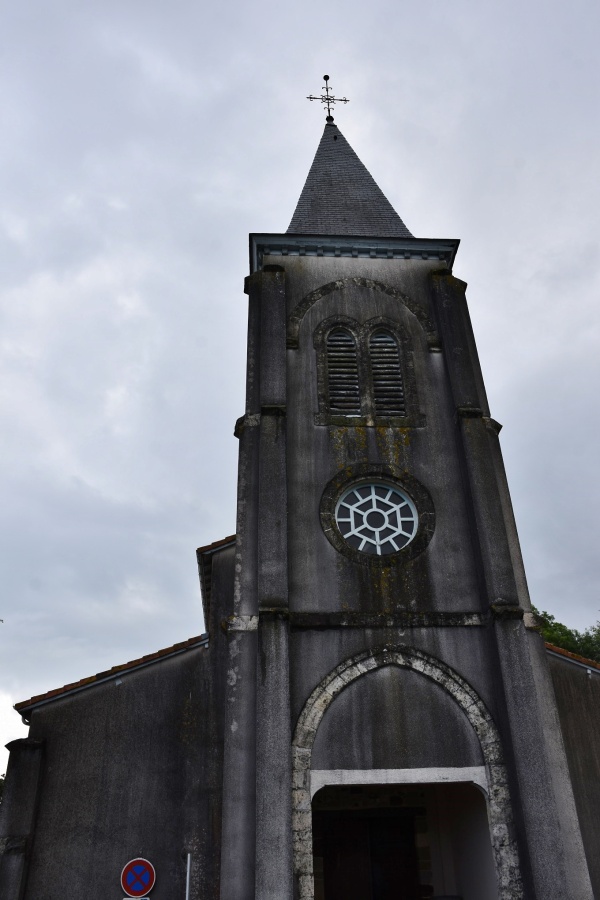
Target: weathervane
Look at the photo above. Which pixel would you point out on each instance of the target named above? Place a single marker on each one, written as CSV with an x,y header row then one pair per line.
x,y
328,99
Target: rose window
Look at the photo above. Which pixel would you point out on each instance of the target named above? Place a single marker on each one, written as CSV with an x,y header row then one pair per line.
x,y
376,518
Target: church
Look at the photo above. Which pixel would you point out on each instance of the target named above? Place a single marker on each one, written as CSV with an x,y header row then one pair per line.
x,y
372,713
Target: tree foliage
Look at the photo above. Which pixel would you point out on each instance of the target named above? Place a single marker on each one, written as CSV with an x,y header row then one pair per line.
x,y
584,643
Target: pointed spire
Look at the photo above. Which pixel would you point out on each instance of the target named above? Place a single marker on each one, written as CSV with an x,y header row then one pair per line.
x,y
341,197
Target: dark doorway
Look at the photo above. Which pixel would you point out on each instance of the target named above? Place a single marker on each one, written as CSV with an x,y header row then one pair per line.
x,y
402,842
368,854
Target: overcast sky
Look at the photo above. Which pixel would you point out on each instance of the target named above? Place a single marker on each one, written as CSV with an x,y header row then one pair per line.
x,y
140,142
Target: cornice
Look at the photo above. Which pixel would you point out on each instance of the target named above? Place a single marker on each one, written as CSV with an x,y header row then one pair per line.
x,y
438,249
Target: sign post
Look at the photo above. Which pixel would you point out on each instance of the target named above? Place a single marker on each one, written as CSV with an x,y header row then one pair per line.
x,y
138,878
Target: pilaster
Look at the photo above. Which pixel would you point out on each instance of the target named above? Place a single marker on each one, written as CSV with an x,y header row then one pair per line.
x,y
256,856
273,762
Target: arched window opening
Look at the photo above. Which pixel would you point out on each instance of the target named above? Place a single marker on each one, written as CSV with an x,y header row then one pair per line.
x,y
342,373
365,375
388,386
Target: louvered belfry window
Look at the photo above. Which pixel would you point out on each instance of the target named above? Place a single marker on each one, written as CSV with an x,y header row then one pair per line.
x,y
388,387
342,373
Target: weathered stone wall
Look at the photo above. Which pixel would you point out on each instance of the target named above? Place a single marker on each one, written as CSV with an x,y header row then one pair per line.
x,y
444,578
398,720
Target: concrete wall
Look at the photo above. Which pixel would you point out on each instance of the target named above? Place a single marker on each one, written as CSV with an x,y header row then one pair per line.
x,y
394,719
463,822
443,578
128,769
578,700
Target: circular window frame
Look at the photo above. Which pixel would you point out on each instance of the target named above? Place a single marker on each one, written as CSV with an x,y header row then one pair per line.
x,y
352,501
398,480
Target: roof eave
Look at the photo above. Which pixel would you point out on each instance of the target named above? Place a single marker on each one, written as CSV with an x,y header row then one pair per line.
x,y
26,707
358,246
582,661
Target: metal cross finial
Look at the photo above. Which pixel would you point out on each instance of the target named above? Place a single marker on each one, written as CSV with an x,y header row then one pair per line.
x,y
328,99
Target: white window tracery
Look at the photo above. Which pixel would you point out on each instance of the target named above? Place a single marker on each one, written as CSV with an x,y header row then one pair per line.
x,y
376,518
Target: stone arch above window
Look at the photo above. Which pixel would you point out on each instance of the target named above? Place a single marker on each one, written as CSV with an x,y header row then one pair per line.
x,y
504,848
297,315
365,374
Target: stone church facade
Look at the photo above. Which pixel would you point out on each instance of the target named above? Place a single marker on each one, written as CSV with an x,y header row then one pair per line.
x,y
372,713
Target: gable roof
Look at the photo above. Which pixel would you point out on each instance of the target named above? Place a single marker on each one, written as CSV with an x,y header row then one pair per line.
x,y
25,706
341,197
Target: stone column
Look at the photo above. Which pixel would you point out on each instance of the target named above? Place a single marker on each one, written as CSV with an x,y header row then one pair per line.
x,y
274,862
238,829
273,729
256,834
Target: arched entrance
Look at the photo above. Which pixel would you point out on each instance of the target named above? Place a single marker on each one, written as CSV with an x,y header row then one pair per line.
x,y
498,808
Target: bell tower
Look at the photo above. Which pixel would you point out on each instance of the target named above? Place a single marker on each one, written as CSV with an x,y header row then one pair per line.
x,y
390,727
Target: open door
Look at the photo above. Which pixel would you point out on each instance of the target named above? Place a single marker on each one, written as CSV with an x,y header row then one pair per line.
x,y
402,842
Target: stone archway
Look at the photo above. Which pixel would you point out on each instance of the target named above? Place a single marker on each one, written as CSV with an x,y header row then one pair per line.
x,y
500,816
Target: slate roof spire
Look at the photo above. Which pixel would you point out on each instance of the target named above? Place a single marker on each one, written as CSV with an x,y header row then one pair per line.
x,y
341,196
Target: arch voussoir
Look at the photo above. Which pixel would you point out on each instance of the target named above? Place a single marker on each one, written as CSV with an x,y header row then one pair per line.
x,y
296,317
504,846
